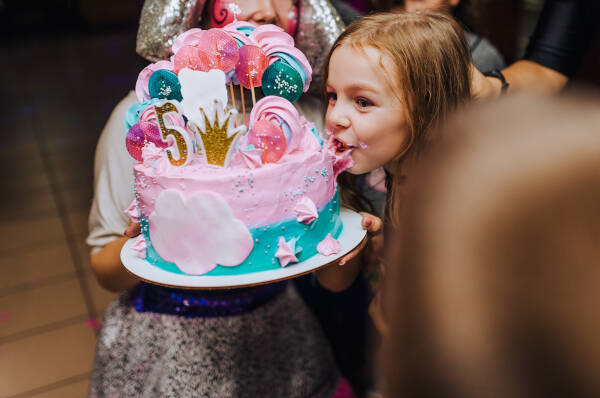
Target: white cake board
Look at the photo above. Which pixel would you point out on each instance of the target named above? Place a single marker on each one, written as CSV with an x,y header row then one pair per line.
x,y
352,235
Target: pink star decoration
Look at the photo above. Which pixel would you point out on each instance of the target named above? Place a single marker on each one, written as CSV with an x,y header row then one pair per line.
x,y
286,251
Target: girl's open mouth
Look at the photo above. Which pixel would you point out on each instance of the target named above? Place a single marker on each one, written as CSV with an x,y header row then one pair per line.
x,y
340,146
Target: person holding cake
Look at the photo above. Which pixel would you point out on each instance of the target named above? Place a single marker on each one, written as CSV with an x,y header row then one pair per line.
x,y
160,341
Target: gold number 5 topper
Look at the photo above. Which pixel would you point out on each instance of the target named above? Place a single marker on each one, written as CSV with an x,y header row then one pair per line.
x,y
180,136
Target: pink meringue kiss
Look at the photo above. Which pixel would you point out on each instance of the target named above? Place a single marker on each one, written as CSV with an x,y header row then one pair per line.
x,y
306,210
329,246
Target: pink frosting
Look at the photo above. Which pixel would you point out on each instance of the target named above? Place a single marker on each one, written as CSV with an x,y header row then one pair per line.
x,y
190,37
268,36
342,161
328,246
132,211
251,158
232,30
286,252
141,86
306,210
140,246
172,118
273,39
258,197
151,153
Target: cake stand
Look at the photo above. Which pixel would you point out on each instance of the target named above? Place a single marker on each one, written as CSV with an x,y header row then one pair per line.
x,y
351,237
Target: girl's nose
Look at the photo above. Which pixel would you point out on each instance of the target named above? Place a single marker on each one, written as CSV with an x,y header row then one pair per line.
x,y
260,12
337,120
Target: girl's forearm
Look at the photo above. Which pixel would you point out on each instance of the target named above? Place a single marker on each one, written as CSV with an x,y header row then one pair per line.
x,y
109,270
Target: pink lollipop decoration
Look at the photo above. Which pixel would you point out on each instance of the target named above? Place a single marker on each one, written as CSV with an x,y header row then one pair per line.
x,y
250,66
221,48
141,133
268,137
190,57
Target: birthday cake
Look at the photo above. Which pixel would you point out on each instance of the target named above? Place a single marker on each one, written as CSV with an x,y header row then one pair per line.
x,y
223,193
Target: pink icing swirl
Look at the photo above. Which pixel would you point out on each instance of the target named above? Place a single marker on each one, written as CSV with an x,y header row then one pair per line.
x,y
236,34
141,86
191,37
271,39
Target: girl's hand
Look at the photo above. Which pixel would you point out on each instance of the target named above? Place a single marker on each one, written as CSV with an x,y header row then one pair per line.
x,y
373,226
133,229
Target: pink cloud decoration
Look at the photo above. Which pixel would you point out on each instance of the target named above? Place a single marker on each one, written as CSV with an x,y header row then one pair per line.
x,y
198,233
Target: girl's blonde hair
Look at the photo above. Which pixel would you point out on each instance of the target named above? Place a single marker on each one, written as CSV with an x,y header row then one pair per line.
x,y
431,75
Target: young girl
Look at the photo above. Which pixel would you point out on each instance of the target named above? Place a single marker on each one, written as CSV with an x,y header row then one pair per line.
x,y
391,78
163,342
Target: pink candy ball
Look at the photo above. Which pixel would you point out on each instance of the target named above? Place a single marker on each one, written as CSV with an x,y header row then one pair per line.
x,y
141,133
268,137
251,65
189,57
221,49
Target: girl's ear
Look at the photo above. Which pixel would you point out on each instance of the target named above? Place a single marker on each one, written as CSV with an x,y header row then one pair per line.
x,y
454,3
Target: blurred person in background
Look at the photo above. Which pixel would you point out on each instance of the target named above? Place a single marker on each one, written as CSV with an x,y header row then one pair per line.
x,y
564,33
493,283
485,56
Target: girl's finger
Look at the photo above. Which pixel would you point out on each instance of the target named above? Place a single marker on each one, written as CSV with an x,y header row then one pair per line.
x,y
353,253
371,223
133,230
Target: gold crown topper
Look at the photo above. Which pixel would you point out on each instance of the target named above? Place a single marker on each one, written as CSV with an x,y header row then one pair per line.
x,y
217,135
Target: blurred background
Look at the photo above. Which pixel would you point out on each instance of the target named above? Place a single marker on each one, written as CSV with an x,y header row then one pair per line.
x,y
65,64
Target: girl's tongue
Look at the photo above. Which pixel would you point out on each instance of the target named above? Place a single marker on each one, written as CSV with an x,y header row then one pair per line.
x,y
340,146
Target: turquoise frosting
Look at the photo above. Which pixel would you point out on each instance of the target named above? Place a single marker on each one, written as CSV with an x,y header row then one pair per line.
x,y
133,113
317,136
291,61
246,30
238,42
262,257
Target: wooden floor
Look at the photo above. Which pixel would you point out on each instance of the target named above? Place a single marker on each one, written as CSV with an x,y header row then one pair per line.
x,y
56,95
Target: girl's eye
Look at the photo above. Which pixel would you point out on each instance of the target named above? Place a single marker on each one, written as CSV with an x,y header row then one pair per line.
x,y
363,103
331,96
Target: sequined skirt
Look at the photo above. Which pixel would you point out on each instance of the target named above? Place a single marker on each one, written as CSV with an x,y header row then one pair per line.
x,y
274,350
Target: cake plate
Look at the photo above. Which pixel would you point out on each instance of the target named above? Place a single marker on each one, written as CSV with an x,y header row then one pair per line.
x,y
352,236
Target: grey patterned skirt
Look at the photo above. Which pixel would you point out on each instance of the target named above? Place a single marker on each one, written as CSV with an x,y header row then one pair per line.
x,y
275,350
